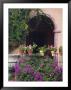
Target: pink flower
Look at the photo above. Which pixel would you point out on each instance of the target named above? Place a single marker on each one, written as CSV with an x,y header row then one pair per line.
x,y
41,65
38,76
21,60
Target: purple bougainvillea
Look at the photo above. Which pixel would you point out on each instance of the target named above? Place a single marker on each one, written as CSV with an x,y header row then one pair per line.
x,y
55,64
37,70
41,65
28,69
58,69
21,60
17,68
38,76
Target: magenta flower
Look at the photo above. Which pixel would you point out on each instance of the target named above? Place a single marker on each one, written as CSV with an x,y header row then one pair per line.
x,y
38,76
17,68
21,60
41,65
28,69
58,69
55,64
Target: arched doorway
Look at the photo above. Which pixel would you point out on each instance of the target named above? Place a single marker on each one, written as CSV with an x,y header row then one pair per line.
x,y
41,30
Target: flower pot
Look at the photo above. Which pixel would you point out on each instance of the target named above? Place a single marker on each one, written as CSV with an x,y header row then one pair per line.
x,y
21,52
30,52
24,52
52,52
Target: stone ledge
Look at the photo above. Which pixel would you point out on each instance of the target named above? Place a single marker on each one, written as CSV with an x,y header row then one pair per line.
x,y
58,31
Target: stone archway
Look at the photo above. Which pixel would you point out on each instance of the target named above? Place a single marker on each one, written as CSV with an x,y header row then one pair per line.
x,y
41,30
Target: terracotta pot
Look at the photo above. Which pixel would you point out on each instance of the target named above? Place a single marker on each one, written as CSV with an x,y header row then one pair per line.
x,y
21,52
30,52
14,78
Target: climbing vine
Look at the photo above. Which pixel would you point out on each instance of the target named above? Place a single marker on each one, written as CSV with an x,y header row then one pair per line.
x,y
18,25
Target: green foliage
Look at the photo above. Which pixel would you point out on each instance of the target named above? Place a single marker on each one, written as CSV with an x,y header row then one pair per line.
x,y
44,48
60,49
18,25
23,48
53,49
38,64
34,45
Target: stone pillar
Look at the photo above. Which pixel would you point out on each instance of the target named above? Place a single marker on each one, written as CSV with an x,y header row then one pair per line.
x,y
57,42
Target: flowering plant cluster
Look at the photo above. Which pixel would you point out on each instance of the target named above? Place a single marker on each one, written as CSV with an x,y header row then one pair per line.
x,y
36,68
27,49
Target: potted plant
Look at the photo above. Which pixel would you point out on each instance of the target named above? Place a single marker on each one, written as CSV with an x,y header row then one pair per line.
x,y
60,50
34,46
23,49
42,50
29,49
53,50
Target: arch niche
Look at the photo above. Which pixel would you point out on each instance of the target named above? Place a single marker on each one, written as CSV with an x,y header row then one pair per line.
x,y
41,31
